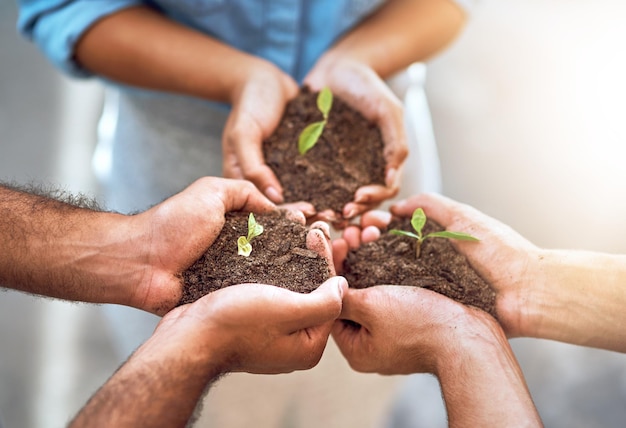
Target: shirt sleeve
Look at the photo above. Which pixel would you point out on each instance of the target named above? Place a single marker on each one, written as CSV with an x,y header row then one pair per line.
x,y
55,26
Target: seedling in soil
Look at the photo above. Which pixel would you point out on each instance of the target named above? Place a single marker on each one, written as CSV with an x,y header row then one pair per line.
x,y
243,243
309,135
418,220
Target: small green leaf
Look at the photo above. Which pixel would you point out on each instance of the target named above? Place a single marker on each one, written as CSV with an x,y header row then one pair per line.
x,y
452,235
325,101
309,136
254,228
243,246
404,233
418,220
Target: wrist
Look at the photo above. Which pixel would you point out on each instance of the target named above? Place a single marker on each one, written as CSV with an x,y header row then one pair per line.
x,y
116,261
468,338
251,71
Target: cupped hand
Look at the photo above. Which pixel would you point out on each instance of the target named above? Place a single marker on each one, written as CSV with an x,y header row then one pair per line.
x,y
257,107
175,233
502,257
391,329
257,328
361,88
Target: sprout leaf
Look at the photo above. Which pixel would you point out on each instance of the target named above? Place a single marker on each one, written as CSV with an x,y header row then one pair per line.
x,y
325,101
243,246
309,136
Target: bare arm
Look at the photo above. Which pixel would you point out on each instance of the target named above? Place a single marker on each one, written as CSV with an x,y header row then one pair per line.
x,y
61,250
484,373
578,297
57,249
139,46
255,328
400,33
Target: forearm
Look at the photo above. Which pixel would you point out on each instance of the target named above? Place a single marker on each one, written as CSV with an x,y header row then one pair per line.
x,y
57,249
400,33
580,298
483,385
141,47
155,388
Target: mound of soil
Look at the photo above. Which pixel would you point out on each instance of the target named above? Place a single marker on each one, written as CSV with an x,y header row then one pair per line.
x,y
391,260
348,155
279,257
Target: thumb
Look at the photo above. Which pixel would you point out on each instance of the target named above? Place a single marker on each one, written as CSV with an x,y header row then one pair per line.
x,y
320,306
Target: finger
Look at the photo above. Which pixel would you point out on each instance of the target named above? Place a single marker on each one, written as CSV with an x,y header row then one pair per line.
x,y
245,141
379,219
340,252
374,194
305,207
318,307
312,347
441,209
323,226
327,215
235,194
347,336
355,306
352,236
255,170
293,215
318,240
370,234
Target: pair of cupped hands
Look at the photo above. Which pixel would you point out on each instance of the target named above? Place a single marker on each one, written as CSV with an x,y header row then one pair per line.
x,y
258,105
261,328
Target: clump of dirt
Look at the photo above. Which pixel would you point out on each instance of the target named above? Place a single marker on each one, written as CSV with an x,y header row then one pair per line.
x,y
348,155
391,260
279,257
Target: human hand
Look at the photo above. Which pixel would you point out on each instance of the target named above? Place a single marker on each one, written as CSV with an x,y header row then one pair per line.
x,y
257,107
255,328
175,233
391,329
361,88
506,260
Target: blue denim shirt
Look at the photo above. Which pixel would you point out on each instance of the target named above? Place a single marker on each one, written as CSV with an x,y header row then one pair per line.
x,y
290,33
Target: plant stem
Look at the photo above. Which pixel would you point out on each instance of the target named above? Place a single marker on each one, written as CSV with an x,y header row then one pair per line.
x,y
418,248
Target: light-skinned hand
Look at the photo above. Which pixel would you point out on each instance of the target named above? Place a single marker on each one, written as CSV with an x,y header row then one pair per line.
x,y
362,89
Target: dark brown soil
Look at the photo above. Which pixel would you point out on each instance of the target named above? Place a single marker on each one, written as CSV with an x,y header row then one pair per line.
x,y
279,257
348,155
391,260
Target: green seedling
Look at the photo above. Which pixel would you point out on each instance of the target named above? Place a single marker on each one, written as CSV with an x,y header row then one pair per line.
x,y
418,220
243,243
309,135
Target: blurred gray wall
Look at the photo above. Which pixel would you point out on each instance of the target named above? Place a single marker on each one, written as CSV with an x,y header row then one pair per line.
x,y
53,355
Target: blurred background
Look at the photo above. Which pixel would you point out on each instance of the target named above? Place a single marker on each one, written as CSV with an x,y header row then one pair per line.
x,y
528,113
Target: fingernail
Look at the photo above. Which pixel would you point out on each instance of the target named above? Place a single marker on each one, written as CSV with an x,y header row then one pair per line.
x,y
273,195
350,213
342,284
362,198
